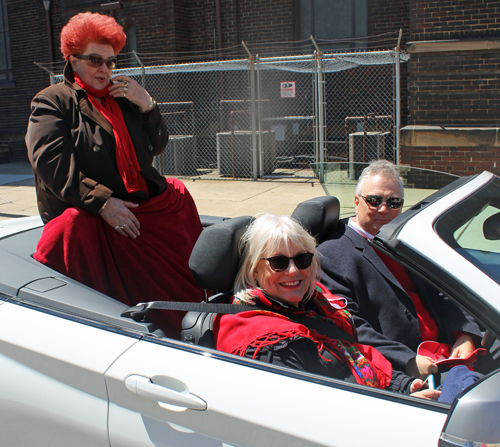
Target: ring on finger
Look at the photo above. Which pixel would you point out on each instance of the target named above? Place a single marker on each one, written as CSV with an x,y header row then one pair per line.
x,y
125,89
126,83
124,94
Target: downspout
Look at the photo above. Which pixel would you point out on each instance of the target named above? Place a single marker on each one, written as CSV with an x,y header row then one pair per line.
x,y
46,4
218,15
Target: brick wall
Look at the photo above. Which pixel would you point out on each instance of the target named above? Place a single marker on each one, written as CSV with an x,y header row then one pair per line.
x,y
454,160
454,19
28,78
255,22
454,83
454,87
459,150
459,88
387,17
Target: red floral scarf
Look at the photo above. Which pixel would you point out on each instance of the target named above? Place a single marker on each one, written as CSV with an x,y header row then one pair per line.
x,y
237,333
126,157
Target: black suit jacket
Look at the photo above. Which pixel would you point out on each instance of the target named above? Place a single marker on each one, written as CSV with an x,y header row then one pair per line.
x,y
384,314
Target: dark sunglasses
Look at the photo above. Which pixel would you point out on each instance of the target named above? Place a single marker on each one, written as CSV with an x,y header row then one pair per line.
x,y
96,61
281,262
376,201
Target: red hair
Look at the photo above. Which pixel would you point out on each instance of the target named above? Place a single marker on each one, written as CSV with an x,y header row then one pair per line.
x,y
88,27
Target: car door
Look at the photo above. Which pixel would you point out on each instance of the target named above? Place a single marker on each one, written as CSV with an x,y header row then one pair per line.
x,y
169,393
52,388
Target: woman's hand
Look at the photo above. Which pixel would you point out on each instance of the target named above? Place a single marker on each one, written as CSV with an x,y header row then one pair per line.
x,y
427,394
118,215
463,347
417,390
421,366
126,87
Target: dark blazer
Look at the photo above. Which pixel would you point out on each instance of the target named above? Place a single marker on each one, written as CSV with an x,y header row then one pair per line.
x,y
71,148
384,314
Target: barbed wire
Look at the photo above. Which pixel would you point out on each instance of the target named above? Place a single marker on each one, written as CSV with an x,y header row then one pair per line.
x,y
379,42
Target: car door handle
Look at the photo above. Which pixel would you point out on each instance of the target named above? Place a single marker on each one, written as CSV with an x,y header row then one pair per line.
x,y
171,392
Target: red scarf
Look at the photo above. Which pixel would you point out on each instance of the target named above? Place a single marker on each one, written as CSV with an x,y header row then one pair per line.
x,y
126,157
237,333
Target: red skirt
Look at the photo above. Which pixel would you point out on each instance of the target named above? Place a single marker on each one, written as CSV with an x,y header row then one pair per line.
x,y
153,267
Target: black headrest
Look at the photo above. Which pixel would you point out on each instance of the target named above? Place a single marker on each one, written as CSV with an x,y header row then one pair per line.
x,y
319,216
215,259
491,227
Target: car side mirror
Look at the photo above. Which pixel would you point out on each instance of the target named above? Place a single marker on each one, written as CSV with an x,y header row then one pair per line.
x,y
473,418
491,227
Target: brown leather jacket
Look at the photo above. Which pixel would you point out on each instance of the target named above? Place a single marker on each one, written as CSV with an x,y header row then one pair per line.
x,y
71,148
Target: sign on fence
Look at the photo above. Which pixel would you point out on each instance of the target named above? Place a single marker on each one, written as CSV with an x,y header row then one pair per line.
x,y
288,89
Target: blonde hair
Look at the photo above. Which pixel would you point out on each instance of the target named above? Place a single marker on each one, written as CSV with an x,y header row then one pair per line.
x,y
263,238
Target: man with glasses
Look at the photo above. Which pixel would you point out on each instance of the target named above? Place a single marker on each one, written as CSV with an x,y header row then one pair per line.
x,y
393,309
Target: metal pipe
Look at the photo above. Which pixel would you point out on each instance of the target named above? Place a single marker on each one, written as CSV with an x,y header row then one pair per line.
x,y
397,104
46,4
255,151
259,119
321,105
218,15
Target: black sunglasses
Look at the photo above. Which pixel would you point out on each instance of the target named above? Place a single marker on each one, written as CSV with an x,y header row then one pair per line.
x,y
96,61
376,201
281,262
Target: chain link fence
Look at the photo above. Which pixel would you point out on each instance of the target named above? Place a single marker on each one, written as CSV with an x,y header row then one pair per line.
x,y
270,118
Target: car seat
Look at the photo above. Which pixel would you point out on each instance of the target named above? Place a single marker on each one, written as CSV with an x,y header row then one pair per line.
x,y
215,259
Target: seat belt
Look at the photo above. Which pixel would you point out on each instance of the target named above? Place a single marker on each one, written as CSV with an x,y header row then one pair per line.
x,y
139,312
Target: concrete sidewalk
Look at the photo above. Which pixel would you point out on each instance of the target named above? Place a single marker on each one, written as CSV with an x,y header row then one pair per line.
x,y
228,198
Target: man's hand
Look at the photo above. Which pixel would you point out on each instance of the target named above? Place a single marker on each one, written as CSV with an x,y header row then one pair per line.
x,y
421,366
463,347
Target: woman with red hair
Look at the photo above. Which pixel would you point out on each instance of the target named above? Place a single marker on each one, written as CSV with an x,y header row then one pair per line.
x,y
112,221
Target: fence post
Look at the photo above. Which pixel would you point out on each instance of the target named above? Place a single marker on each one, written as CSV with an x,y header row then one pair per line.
x,y
255,157
321,103
51,73
259,116
398,96
143,69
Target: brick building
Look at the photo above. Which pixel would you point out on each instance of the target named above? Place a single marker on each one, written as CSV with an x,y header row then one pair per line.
x,y
450,83
454,86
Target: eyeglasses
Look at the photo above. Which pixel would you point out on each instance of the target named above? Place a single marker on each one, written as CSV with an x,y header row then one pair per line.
x,y
96,61
376,201
280,263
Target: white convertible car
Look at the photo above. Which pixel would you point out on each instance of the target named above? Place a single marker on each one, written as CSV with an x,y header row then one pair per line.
x,y
75,372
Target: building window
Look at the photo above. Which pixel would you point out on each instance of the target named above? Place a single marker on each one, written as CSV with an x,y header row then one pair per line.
x,y
328,20
5,62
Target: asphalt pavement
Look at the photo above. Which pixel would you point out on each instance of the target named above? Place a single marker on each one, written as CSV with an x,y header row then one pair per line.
x,y
228,198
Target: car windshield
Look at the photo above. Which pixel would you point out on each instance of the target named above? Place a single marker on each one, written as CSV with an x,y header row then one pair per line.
x,y
472,228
